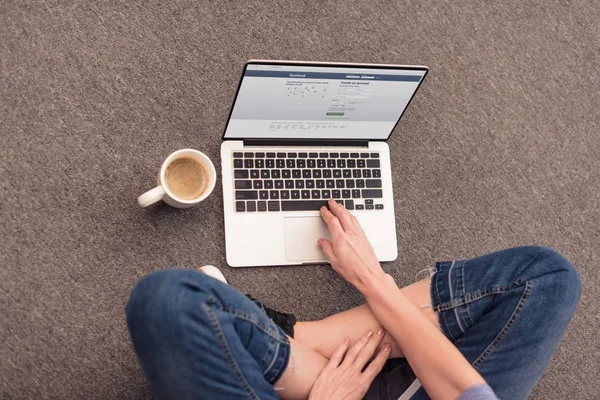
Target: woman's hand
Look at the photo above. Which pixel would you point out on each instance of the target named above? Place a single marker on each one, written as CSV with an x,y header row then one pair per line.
x,y
351,254
346,379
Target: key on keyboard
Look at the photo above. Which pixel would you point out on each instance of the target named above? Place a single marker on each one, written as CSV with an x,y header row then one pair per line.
x,y
302,181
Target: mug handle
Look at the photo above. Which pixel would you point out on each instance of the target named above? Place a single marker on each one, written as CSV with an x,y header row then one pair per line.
x,y
151,196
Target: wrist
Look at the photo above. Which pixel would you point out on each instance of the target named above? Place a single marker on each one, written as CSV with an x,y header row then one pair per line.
x,y
376,283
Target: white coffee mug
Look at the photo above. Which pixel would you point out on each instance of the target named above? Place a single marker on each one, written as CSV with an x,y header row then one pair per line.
x,y
162,192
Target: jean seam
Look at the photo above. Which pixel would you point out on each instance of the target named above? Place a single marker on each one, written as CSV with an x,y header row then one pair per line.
x,y
435,279
255,322
460,287
489,350
277,369
247,317
280,369
275,353
462,272
225,348
469,298
472,297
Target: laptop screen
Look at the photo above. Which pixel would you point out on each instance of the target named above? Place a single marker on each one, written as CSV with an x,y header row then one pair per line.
x,y
303,101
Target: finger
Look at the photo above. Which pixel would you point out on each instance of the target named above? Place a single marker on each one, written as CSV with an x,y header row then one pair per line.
x,y
367,352
356,348
342,214
377,364
357,226
332,222
327,248
338,354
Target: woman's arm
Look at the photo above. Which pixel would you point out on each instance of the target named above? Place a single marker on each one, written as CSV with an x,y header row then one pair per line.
x,y
441,368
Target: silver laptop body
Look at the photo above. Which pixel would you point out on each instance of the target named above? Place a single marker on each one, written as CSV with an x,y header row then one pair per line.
x,y
298,134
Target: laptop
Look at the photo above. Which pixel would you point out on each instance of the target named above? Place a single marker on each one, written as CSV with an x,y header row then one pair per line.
x,y
298,134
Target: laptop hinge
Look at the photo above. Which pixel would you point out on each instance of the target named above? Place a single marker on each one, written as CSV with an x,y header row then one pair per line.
x,y
306,142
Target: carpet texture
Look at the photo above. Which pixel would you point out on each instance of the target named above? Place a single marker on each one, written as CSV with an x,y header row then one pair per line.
x,y
499,148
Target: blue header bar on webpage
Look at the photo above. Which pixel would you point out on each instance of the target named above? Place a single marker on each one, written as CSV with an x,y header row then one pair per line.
x,y
332,75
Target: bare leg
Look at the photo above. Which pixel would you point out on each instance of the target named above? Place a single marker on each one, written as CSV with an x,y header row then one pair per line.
x,y
304,366
325,336
316,341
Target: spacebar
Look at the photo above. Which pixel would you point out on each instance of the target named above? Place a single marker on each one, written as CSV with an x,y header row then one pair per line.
x,y
303,205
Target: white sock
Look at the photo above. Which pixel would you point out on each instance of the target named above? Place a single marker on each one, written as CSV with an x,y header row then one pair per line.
x,y
213,272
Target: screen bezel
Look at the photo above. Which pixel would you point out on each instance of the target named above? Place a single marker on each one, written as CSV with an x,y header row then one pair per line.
x,y
323,64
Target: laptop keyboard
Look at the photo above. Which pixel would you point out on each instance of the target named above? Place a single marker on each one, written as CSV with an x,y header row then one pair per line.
x,y
298,181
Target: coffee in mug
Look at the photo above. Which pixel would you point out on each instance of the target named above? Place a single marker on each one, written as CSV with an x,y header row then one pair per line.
x,y
185,179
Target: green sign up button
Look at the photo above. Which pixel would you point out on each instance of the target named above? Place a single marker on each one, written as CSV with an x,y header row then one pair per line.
x,y
337,114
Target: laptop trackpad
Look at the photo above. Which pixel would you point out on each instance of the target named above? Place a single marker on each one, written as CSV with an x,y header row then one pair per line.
x,y
301,235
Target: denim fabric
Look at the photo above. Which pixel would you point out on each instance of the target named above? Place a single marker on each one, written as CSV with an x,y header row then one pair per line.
x,y
198,338
478,392
506,312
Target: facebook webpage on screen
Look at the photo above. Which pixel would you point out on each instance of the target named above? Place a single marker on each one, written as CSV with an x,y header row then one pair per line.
x,y
276,101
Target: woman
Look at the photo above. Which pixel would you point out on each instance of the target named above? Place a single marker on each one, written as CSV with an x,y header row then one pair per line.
x,y
493,320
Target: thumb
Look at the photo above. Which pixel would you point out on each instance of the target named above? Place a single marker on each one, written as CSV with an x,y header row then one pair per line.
x,y
327,249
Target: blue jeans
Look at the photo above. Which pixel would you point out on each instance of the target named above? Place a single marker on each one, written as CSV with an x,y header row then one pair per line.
x,y
198,338
506,312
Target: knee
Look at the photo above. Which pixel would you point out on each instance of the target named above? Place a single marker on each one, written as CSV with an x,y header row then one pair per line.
x,y
156,297
560,278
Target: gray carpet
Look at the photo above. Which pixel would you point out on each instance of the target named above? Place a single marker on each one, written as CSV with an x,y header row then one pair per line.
x,y
499,148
